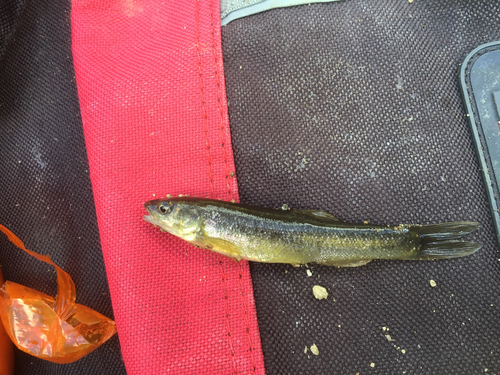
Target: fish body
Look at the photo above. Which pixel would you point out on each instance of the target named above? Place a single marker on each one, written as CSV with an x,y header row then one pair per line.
x,y
302,236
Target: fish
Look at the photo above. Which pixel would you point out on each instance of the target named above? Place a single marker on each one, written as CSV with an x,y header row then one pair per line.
x,y
299,237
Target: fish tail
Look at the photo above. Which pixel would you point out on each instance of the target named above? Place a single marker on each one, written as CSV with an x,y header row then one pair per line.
x,y
443,241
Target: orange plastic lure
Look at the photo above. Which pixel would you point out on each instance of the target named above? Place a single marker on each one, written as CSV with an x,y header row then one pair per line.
x,y
58,330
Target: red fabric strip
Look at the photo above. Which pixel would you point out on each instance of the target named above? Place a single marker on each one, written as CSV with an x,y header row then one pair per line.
x,y
151,87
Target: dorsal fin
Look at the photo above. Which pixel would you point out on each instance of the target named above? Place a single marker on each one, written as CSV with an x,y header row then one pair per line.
x,y
315,214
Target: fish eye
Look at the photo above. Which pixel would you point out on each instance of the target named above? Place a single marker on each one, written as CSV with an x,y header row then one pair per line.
x,y
164,208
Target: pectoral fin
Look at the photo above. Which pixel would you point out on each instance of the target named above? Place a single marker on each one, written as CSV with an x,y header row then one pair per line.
x,y
218,245
347,263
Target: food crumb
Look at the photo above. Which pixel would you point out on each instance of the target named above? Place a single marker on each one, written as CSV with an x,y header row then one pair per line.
x,y
384,328
388,337
403,351
372,365
233,201
305,350
314,349
309,273
285,207
320,292
410,1
433,283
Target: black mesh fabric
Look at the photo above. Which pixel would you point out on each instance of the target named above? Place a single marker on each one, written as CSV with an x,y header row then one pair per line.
x,y
45,191
354,108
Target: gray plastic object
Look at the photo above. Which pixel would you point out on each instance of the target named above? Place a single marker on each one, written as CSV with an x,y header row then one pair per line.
x,y
480,80
234,9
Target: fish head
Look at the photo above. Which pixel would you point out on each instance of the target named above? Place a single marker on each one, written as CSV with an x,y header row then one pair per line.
x,y
180,218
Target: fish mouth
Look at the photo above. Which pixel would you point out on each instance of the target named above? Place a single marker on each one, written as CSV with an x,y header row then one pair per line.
x,y
152,210
150,220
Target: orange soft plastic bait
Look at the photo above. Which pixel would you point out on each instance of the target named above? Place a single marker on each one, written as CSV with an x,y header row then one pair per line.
x,y
58,330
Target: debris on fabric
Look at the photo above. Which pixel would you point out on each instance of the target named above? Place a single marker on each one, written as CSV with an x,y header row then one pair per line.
x,y
320,292
314,349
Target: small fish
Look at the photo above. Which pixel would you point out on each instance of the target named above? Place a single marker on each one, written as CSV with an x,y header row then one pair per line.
x,y
302,236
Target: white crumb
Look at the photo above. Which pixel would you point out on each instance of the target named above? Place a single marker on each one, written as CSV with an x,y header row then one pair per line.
x,y
320,292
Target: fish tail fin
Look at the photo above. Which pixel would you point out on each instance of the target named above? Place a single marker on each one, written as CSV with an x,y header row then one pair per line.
x,y
443,241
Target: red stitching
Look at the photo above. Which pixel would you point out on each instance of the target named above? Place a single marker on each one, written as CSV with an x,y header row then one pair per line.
x,y
204,109
226,297
219,101
243,297
221,112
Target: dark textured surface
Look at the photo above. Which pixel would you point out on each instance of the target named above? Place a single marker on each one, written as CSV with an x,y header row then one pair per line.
x,y
355,108
45,191
9,16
